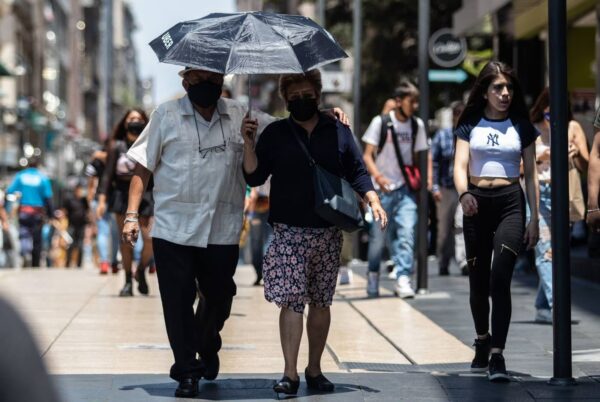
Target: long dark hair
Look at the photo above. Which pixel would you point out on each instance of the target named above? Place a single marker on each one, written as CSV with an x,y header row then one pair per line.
x,y
120,131
476,104
536,114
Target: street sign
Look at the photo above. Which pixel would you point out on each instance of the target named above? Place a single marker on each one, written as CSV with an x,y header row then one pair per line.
x,y
446,49
336,81
456,75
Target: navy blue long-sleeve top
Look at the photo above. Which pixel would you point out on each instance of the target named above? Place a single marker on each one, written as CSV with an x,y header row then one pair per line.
x,y
292,196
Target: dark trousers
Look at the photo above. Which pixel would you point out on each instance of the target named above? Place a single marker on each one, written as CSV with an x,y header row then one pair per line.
x,y
497,228
182,272
30,235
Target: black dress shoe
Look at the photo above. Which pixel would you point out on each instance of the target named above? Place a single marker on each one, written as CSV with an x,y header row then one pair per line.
x,y
287,386
140,277
211,367
127,290
318,383
188,388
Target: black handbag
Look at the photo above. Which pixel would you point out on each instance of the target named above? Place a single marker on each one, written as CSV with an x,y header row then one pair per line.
x,y
335,199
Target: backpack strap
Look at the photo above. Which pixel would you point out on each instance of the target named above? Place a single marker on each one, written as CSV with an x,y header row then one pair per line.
x,y
386,125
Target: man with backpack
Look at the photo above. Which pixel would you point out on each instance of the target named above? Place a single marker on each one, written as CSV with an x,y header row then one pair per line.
x,y
391,143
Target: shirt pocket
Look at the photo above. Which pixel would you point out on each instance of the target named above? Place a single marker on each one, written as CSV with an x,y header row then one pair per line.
x,y
234,184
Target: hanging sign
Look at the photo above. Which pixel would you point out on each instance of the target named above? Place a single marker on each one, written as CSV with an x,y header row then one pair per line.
x,y
446,49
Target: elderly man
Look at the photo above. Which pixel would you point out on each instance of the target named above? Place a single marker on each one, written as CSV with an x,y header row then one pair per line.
x,y
194,149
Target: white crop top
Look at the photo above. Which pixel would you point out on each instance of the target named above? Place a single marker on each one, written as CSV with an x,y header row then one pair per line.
x,y
496,145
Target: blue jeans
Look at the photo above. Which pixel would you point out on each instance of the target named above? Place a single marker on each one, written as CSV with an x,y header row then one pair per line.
x,y
108,238
401,209
543,251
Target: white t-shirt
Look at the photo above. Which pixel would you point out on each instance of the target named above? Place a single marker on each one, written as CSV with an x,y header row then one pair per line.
x,y
386,161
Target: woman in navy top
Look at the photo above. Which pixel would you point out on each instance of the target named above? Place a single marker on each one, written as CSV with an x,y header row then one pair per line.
x,y
493,136
302,261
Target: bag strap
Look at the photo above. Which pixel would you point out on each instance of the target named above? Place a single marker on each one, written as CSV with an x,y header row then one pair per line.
x,y
414,125
397,152
311,161
399,155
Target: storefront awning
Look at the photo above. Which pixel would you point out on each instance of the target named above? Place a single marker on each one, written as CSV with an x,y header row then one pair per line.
x,y
531,20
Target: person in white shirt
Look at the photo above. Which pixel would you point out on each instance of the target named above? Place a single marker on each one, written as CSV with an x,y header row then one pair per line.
x,y
398,134
493,136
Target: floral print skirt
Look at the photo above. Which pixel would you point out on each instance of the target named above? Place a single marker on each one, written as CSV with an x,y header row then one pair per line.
x,y
301,266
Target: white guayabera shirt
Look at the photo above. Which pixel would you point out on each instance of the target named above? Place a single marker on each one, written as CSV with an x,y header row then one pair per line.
x,y
199,196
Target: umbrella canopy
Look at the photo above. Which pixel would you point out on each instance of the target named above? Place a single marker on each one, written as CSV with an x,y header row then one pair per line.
x,y
248,43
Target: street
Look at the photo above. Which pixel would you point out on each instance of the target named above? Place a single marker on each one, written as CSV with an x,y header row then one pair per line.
x,y
99,347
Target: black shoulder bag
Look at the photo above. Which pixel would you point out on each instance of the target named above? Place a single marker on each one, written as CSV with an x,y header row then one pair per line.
x,y
335,200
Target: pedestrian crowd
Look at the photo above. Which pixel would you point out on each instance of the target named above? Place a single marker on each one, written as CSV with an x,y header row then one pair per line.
x,y
176,193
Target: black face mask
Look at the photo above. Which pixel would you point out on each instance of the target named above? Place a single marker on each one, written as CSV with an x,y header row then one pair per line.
x,y
303,109
204,94
135,127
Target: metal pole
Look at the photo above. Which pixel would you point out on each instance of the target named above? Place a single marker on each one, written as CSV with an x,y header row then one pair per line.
x,y
561,270
321,11
108,13
423,197
357,26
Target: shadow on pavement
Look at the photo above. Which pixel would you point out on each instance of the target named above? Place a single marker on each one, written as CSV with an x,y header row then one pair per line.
x,y
240,389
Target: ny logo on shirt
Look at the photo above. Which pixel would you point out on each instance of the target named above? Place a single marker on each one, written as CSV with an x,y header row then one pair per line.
x,y
493,138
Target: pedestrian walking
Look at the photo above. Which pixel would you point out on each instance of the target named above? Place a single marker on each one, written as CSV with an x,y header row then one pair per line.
x,y
593,212
493,135
107,233
578,161
261,232
302,262
391,143
35,205
113,190
444,192
5,240
77,211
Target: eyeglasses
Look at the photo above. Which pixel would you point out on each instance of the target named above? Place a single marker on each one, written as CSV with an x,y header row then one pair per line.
x,y
216,149
547,116
499,87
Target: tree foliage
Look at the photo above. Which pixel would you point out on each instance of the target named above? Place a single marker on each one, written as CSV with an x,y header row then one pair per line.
x,y
389,45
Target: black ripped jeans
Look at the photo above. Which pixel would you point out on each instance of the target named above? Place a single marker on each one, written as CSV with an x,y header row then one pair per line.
x,y
496,230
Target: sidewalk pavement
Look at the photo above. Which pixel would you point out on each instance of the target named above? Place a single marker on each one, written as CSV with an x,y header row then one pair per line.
x,y
99,347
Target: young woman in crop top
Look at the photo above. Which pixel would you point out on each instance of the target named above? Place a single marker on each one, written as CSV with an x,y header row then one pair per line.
x,y
113,190
493,136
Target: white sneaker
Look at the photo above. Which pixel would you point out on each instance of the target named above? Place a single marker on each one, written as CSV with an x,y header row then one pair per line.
x,y
403,289
373,284
543,316
393,273
345,276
